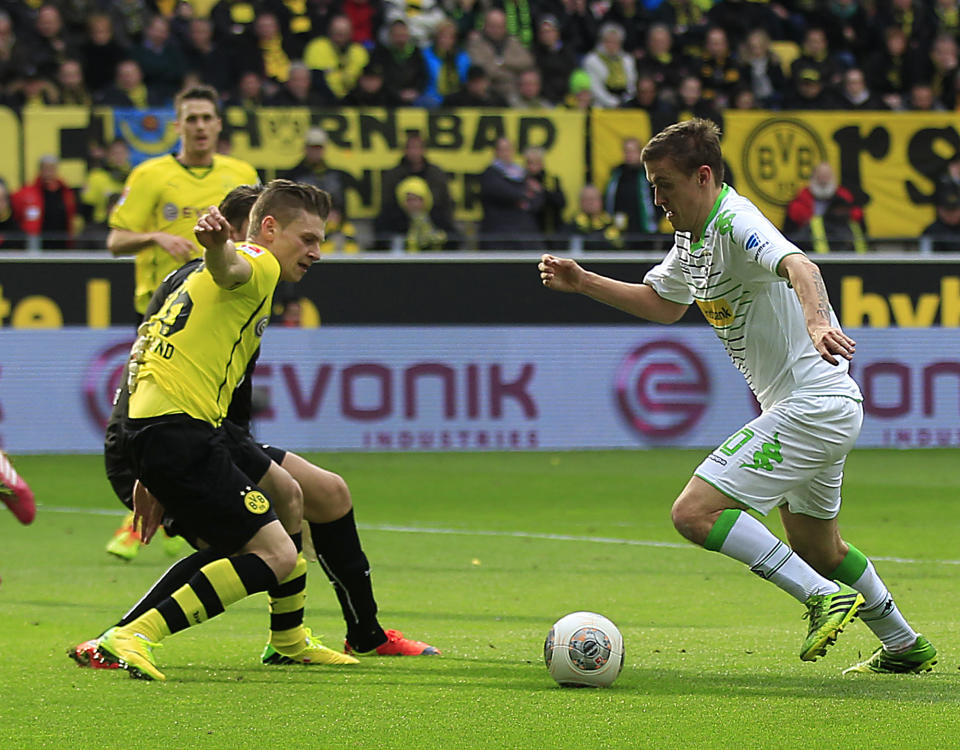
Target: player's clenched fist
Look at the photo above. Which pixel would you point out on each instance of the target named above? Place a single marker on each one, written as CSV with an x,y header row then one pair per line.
x,y
561,274
212,229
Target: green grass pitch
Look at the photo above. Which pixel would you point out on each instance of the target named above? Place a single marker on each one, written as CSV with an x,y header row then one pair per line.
x,y
478,554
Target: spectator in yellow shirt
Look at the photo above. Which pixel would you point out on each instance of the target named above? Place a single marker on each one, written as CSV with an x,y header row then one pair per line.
x,y
105,184
338,59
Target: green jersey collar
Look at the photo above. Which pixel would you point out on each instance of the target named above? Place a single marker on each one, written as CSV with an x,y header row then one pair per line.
x,y
713,212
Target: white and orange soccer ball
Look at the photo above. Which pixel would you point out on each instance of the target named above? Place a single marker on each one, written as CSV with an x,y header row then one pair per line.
x,y
584,649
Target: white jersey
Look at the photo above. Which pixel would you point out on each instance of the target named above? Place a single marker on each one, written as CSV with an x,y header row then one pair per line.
x,y
732,276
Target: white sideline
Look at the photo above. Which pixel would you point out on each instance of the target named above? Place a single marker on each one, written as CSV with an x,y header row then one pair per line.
x,y
507,534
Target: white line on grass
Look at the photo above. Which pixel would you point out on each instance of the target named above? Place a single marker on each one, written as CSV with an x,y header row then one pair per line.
x,y
509,534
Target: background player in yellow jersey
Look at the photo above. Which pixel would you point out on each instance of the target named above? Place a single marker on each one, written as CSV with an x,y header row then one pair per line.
x,y
163,197
191,355
154,219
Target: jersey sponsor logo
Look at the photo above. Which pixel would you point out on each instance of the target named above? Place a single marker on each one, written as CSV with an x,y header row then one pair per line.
x,y
756,243
718,312
261,325
256,502
171,212
252,250
766,456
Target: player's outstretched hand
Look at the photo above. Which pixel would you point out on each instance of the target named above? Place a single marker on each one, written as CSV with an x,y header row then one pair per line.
x,y
561,274
147,512
212,229
180,248
829,341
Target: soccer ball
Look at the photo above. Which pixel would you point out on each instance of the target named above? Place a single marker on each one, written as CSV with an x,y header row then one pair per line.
x,y
584,649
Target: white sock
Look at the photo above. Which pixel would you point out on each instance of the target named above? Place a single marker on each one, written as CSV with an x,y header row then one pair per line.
x,y
752,543
880,613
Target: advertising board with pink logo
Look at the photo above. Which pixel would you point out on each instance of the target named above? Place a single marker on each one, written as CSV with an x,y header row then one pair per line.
x,y
481,388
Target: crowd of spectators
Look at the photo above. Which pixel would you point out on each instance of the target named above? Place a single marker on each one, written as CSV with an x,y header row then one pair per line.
x,y
878,54
672,58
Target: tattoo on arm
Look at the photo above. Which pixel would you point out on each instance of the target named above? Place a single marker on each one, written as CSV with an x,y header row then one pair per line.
x,y
823,302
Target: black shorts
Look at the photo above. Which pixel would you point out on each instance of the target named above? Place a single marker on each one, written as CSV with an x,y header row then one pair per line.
x,y
251,457
186,463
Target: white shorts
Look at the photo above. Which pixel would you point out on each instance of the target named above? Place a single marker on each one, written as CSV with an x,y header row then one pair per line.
x,y
792,454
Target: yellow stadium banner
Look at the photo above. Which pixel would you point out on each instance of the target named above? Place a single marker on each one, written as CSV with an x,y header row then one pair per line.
x,y
63,132
608,130
890,161
365,143
11,157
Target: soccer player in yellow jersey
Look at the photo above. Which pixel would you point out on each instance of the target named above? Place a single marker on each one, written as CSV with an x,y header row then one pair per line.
x,y
163,197
190,357
155,215
327,509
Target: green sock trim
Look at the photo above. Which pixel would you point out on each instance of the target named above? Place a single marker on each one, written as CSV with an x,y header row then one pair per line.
x,y
852,567
721,528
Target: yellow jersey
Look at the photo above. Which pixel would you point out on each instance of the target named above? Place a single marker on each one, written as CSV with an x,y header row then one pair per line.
x,y
162,195
102,185
192,354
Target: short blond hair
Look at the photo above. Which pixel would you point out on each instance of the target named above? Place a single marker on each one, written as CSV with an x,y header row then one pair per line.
x,y
690,145
285,199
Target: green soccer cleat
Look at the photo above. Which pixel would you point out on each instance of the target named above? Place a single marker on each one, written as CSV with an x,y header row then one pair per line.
x,y
829,615
125,542
308,651
919,658
132,651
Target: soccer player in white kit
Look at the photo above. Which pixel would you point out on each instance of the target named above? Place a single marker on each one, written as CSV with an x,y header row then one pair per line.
x,y
768,305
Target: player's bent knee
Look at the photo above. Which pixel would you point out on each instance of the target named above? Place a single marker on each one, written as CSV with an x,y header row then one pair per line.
x,y
326,497
340,502
286,494
686,520
273,545
294,500
281,559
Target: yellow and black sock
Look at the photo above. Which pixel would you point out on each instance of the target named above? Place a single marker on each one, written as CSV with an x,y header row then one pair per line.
x,y
287,601
176,576
209,591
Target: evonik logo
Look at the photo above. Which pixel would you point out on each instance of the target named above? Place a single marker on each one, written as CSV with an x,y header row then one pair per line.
x,y
101,380
662,389
372,392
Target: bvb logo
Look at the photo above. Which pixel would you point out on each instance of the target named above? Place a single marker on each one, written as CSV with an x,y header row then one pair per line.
x,y
778,157
256,502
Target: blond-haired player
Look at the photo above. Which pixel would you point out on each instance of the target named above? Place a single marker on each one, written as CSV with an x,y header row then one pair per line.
x,y
768,305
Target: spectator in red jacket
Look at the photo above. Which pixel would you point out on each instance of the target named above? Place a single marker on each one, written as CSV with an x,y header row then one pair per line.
x,y
46,208
816,197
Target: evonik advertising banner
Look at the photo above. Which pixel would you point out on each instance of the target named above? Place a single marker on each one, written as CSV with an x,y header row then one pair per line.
x,y
481,388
